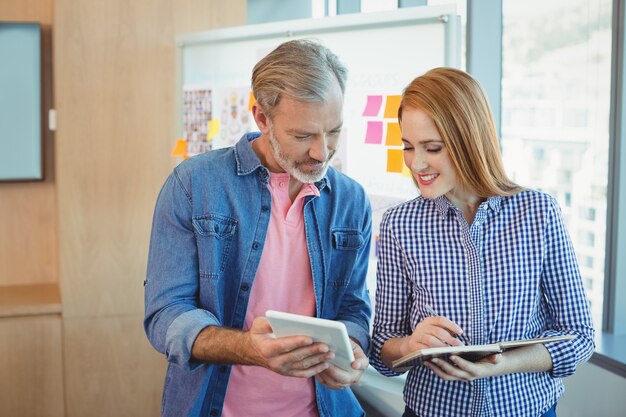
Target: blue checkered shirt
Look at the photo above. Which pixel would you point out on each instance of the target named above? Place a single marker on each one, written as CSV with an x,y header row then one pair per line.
x,y
511,274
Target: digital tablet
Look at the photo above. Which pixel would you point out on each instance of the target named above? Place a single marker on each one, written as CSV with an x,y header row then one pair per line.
x,y
332,333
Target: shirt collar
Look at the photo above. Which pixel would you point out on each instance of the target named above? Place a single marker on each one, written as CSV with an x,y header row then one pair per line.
x,y
494,203
276,178
444,205
247,161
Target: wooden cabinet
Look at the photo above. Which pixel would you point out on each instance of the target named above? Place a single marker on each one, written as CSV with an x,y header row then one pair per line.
x,y
31,355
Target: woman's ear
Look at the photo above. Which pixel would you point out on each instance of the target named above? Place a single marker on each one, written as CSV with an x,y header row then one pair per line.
x,y
261,118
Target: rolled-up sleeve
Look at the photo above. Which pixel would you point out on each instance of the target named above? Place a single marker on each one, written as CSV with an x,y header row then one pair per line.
x,y
565,294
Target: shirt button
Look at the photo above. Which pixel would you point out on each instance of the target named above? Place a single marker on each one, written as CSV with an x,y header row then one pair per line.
x,y
264,208
214,412
223,369
244,287
256,245
281,184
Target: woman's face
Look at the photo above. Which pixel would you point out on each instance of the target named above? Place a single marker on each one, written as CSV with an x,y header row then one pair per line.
x,y
426,155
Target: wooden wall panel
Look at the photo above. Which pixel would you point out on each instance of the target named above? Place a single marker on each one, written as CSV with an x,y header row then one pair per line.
x,y
28,210
115,78
111,369
31,368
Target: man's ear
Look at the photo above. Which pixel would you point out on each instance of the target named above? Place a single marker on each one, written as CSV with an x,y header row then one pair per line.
x,y
261,118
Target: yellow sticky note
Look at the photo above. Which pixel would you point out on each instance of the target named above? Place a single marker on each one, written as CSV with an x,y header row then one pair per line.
x,y
392,106
406,171
251,101
394,136
395,162
180,149
214,128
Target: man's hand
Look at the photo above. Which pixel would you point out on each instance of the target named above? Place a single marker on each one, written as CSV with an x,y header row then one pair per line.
x,y
290,356
337,378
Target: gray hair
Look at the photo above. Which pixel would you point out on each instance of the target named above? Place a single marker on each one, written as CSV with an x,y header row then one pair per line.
x,y
302,69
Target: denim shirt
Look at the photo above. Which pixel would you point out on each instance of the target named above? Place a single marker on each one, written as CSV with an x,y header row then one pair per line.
x,y
208,233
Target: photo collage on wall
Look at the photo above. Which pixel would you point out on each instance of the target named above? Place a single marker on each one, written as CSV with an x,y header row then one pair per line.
x,y
197,111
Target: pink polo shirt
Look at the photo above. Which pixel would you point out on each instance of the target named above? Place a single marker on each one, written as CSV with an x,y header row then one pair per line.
x,y
283,282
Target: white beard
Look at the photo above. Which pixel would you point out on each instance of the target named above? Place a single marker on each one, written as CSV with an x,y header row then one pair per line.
x,y
291,167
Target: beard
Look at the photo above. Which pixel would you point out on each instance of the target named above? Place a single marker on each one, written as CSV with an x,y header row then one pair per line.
x,y
294,168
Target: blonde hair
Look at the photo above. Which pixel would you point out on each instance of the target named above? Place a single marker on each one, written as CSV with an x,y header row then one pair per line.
x,y
459,108
301,69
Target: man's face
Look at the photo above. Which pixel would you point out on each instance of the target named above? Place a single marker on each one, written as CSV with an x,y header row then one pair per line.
x,y
303,136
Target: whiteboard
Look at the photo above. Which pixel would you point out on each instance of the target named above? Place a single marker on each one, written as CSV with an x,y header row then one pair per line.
x,y
383,53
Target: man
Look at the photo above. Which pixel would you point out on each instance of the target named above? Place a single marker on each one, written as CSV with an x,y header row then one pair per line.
x,y
266,224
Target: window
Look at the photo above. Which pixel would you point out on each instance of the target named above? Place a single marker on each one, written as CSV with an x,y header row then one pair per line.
x,y
588,213
378,5
555,101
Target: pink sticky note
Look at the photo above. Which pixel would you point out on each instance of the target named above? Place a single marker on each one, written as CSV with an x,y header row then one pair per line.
x,y
373,105
374,133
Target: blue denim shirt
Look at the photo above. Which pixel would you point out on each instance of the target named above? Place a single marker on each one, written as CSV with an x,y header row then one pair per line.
x,y
208,232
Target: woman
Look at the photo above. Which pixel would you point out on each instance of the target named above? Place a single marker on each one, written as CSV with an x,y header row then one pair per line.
x,y
492,259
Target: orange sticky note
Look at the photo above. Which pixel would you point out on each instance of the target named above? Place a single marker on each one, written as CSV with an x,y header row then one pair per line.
x,y
394,136
213,128
180,149
395,161
251,101
392,106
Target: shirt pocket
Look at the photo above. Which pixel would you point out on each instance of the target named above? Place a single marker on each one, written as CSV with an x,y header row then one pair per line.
x,y
346,243
214,234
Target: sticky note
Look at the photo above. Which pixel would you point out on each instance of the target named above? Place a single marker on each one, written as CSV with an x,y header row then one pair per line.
x,y
394,136
214,128
374,133
180,149
394,160
373,105
251,101
391,107
406,171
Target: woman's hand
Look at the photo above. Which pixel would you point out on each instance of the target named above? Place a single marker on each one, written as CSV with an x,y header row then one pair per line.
x,y
534,358
459,369
432,332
